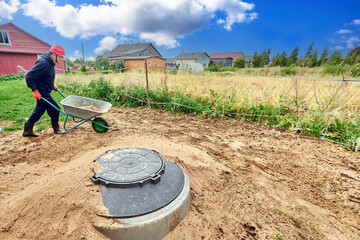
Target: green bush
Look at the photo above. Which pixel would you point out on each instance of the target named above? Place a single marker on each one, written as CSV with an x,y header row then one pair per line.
x,y
287,71
117,66
99,89
82,68
174,72
213,68
240,62
335,70
10,77
355,71
218,68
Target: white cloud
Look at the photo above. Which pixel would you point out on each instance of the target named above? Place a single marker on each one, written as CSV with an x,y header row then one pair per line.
x,y
107,43
236,11
78,55
75,55
8,9
356,22
161,39
336,48
344,31
351,42
91,59
160,21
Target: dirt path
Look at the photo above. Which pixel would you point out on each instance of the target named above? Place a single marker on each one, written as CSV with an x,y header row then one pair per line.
x,y
245,183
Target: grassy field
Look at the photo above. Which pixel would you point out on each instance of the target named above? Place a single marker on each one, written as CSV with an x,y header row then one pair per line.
x,y
17,104
301,95
314,107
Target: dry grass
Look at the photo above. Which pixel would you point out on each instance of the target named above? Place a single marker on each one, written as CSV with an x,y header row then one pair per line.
x,y
299,95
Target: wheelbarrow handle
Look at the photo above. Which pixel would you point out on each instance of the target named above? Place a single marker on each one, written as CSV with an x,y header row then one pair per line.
x,y
42,98
60,93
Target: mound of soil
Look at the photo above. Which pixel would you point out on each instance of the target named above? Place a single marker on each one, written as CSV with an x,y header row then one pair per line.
x,y
247,182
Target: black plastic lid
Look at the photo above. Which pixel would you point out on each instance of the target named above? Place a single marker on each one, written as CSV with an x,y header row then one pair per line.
x,y
129,167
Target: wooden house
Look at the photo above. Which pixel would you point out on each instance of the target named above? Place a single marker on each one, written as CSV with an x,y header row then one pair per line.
x,y
19,50
196,57
134,56
226,58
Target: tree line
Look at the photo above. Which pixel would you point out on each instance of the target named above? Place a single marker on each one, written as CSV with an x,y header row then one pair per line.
x,y
311,59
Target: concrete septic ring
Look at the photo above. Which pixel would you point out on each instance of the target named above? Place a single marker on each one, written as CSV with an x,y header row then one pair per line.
x,y
146,194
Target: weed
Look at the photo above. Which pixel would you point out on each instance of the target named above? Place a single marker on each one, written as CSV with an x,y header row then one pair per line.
x,y
10,77
296,220
277,236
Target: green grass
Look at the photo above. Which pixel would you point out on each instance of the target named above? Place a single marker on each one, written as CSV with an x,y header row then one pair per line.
x,y
17,104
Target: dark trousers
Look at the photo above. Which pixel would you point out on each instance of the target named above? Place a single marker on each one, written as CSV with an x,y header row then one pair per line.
x,y
41,107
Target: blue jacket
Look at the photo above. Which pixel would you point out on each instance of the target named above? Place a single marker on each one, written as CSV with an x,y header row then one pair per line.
x,y
41,76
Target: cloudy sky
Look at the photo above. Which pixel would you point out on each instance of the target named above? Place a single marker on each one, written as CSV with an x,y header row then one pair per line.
x,y
175,26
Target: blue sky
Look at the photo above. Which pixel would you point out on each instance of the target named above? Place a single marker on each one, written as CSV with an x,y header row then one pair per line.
x,y
173,26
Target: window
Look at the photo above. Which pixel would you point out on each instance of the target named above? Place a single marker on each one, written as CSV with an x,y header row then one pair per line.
x,y
4,38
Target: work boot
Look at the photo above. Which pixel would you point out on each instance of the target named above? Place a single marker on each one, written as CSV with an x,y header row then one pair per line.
x,y
57,129
28,130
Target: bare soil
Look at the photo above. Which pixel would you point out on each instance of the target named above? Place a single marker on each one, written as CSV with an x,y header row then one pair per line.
x,y
247,181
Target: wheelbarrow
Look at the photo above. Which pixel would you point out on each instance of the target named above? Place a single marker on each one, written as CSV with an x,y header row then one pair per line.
x,y
73,108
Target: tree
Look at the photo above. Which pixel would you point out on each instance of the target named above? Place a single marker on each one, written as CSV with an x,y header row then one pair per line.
x,y
313,60
309,51
256,60
77,61
353,56
117,66
275,60
323,57
308,55
293,58
282,59
260,60
335,59
239,62
68,62
265,58
101,63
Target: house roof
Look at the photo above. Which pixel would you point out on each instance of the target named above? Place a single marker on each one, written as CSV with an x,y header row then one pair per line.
x,y
106,54
129,49
233,55
135,57
24,49
194,55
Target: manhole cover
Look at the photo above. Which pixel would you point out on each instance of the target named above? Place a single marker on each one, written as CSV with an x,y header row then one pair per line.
x,y
129,167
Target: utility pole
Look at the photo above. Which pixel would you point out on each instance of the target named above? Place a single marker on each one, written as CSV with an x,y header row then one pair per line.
x,y
82,46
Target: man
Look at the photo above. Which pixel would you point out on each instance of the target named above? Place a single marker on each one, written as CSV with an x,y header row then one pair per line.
x,y
40,79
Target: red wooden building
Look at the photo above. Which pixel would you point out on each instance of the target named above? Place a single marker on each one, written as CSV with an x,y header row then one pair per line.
x,y
19,50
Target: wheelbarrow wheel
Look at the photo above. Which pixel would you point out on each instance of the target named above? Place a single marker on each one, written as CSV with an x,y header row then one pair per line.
x,y
98,128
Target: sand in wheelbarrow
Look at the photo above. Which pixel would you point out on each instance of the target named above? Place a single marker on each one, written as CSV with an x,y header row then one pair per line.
x,y
90,107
